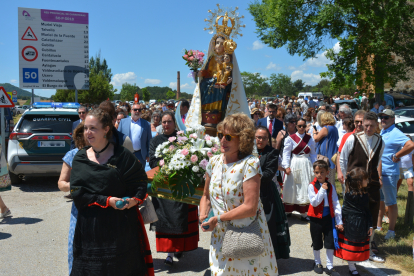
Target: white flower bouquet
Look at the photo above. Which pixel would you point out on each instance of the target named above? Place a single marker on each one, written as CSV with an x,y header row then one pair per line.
x,y
184,161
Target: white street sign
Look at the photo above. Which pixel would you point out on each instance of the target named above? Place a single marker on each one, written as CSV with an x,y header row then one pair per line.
x,y
53,49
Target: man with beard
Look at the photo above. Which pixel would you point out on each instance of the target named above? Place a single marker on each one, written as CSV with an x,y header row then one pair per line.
x,y
273,125
364,150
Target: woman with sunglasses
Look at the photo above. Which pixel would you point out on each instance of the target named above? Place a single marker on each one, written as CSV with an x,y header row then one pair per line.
x,y
232,190
176,230
269,195
298,157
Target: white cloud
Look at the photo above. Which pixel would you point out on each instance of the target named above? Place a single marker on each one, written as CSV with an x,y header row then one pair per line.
x,y
13,81
186,86
263,76
309,79
273,66
257,45
152,81
321,60
119,79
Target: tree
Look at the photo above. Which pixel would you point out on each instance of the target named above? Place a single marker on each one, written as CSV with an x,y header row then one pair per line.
x,y
170,95
298,84
145,94
282,84
369,32
128,91
254,84
96,66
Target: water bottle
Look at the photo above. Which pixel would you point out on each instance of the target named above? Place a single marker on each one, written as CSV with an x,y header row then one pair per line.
x,y
120,204
210,215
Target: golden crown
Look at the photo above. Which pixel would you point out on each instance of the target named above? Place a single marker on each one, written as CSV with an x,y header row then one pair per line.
x,y
229,46
225,14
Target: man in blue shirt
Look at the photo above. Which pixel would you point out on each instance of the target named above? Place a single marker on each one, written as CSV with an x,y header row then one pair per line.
x,y
375,109
396,146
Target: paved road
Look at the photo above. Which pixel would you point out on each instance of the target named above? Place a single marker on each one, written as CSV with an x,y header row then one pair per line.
x,y
34,240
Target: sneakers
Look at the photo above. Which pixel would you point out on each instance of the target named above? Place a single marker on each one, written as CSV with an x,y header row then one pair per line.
x,y
378,229
5,214
332,272
318,268
390,235
375,258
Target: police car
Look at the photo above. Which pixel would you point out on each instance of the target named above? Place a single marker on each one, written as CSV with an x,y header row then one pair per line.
x,y
40,139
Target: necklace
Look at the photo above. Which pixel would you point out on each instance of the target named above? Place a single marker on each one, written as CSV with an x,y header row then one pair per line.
x,y
98,152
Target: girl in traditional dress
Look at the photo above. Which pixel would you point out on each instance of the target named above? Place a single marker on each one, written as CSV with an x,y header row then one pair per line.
x,y
298,157
354,240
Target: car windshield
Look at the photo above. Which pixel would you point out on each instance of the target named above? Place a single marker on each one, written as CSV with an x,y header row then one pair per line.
x,y
56,123
403,112
406,127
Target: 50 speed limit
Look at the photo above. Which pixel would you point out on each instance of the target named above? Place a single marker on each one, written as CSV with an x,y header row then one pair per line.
x,y
30,75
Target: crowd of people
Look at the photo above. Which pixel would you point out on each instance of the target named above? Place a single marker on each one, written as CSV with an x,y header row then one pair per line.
x,y
303,146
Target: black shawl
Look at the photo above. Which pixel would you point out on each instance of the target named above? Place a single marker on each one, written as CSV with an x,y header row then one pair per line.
x,y
356,217
172,215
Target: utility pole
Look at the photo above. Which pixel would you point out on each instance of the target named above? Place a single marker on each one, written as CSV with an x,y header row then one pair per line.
x,y
178,85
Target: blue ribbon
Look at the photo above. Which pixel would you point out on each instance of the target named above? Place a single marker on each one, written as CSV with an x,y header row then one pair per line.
x,y
335,234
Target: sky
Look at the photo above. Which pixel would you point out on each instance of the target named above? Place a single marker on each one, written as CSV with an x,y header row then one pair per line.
x,y
143,41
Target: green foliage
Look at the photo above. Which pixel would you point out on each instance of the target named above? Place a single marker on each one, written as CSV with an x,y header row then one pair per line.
x,y
128,91
254,84
170,94
100,88
365,29
146,95
21,93
282,84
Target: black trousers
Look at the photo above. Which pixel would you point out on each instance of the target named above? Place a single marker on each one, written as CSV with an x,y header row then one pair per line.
x,y
322,233
374,203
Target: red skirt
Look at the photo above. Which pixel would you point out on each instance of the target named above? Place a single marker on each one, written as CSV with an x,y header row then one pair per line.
x,y
183,242
352,251
289,208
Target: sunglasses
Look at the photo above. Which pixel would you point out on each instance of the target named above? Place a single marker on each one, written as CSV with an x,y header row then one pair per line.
x,y
228,137
384,117
82,112
301,126
137,109
357,122
257,113
292,122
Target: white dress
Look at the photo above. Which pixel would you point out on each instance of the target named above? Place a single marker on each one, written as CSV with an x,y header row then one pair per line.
x,y
227,192
295,187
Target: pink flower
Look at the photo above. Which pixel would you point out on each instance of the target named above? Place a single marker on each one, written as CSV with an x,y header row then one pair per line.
x,y
217,146
162,162
185,152
214,150
194,136
180,132
191,58
185,57
182,139
194,158
207,137
201,54
209,154
171,148
203,164
172,139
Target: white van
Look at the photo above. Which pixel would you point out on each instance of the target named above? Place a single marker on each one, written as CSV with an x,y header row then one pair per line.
x,y
311,94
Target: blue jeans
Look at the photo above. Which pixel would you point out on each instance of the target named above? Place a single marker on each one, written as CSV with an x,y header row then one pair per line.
x,y
389,189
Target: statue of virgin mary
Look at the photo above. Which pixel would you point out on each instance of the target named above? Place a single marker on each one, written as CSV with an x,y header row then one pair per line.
x,y
220,90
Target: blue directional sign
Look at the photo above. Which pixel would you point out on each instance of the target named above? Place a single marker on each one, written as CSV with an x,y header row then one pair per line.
x,y
30,75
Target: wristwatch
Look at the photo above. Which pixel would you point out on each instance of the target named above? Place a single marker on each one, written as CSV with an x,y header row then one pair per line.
x,y
380,178
218,219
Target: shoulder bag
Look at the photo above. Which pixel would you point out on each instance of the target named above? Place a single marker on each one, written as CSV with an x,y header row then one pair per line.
x,y
242,242
148,211
323,157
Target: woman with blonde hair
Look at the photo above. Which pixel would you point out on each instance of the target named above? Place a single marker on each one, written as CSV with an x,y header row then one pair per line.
x,y
232,191
326,140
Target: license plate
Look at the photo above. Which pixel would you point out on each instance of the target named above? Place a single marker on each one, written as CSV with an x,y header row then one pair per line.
x,y
51,144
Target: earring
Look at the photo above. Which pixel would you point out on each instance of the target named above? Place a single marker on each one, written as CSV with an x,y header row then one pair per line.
x,y
105,136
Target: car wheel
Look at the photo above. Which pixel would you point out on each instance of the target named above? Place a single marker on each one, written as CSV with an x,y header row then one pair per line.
x,y
14,178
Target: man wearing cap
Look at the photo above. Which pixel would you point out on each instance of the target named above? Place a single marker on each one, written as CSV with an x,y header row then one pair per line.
x,y
396,146
305,105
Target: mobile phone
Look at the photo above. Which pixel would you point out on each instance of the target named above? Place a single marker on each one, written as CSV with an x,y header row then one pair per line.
x,y
314,127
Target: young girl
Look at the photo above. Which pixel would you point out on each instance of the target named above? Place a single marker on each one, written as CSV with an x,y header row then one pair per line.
x,y
354,240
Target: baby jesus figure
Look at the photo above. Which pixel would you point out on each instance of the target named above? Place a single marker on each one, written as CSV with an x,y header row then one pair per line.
x,y
224,71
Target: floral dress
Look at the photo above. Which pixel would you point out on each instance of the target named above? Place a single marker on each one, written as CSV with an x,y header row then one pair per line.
x,y
226,192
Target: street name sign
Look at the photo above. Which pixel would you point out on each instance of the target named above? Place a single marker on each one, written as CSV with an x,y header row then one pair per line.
x,y
53,49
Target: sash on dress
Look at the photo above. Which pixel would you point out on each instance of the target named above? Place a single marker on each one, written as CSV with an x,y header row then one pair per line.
x,y
302,144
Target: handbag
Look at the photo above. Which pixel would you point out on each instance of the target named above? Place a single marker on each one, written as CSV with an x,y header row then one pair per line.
x,y
148,211
334,157
323,157
242,242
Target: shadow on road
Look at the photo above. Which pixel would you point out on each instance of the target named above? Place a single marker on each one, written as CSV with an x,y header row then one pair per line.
x,y
19,220
4,236
38,184
194,261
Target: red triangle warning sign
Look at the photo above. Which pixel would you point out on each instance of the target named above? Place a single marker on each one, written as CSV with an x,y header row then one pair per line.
x,y
29,35
5,100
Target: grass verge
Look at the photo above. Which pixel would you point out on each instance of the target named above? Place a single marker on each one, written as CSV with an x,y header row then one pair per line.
x,y
399,251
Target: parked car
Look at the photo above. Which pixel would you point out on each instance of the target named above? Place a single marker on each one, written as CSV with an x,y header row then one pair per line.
x,y
394,99
152,101
39,141
407,111
351,103
311,94
406,125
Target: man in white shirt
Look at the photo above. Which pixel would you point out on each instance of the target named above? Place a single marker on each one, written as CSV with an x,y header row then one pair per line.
x,y
304,105
344,112
364,150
